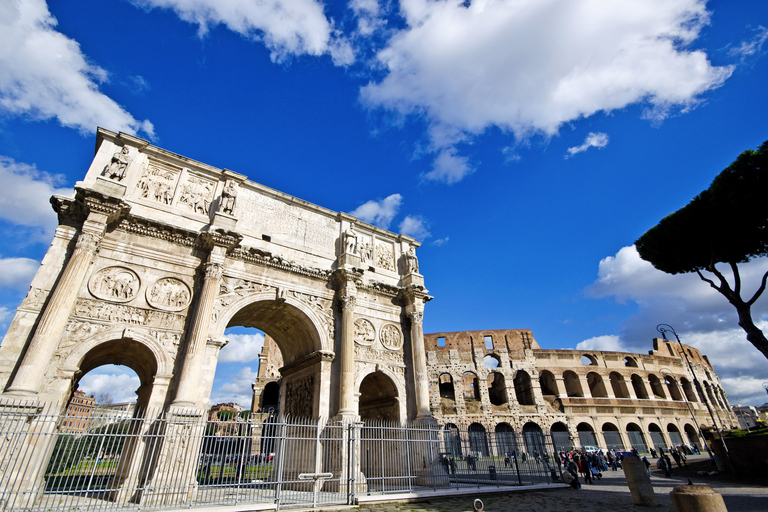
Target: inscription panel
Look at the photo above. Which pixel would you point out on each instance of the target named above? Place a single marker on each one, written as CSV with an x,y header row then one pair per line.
x,y
261,213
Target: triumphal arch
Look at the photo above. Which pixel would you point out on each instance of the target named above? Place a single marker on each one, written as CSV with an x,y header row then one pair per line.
x,y
156,255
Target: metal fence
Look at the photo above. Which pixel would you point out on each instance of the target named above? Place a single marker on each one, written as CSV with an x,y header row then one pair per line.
x,y
152,460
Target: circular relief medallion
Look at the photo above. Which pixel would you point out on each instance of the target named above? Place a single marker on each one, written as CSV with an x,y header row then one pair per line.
x,y
114,284
170,294
364,332
391,337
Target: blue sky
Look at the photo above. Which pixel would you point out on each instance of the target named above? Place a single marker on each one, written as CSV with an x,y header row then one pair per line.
x,y
526,144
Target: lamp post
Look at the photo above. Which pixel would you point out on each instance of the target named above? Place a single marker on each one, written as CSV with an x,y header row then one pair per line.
x,y
668,373
663,329
765,386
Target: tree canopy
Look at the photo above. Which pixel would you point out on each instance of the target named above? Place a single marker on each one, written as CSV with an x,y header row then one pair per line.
x,y
726,223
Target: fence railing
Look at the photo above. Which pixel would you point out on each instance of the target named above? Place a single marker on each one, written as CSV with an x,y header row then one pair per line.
x,y
150,459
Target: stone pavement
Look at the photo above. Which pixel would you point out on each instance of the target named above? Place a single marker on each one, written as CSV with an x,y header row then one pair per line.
x,y
609,493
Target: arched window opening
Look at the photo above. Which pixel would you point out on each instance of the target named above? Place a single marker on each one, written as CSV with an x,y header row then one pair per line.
x,y
656,388
497,389
572,384
674,435
630,362
505,439
673,388
618,385
690,394
693,436
588,360
491,361
547,383
446,386
587,436
453,441
523,388
596,385
478,440
561,438
639,386
636,438
612,437
657,437
470,386
534,440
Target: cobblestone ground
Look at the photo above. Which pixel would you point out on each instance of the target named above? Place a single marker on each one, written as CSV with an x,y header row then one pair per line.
x,y
607,494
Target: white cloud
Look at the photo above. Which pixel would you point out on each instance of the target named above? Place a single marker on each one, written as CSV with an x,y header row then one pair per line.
x,y
286,27
119,382
609,342
17,272
415,226
5,315
529,67
701,316
236,388
25,197
242,348
449,167
44,74
379,212
751,46
440,241
593,140
369,16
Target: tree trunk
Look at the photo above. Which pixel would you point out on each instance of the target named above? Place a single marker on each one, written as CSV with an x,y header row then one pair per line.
x,y
754,334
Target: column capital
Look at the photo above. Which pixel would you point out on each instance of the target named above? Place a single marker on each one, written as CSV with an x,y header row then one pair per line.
x,y
89,242
213,270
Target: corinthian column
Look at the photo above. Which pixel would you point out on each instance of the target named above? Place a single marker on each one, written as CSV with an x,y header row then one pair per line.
x,y
346,299
54,319
188,389
415,310
100,211
189,379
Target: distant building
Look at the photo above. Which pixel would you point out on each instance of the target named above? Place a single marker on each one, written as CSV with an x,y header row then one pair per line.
x,y
77,417
747,416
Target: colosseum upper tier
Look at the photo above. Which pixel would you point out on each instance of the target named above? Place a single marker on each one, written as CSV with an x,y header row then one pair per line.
x,y
503,381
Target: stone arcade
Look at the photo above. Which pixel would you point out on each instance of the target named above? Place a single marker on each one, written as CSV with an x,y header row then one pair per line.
x,y
156,255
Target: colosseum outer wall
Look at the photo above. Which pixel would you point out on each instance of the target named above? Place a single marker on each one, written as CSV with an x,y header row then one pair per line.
x,y
502,380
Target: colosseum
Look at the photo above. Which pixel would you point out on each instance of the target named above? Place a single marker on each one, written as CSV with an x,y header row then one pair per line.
x,y
577,398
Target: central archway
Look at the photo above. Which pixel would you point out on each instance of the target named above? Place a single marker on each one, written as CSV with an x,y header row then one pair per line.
x,y
301,340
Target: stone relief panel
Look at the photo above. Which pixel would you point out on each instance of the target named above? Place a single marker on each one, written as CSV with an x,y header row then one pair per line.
x,y
34,299
158,183
197,194
391,337
385,256
367,354
323,307
115,284
365,249
118,313
299,397
169,294
365,333
279,218
231,290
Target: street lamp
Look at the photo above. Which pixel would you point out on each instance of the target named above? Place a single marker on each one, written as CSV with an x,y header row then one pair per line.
x,y
765,386
668,373
663,329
